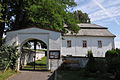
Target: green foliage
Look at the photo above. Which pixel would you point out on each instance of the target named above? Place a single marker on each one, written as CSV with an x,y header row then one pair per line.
x,y
39,65
71,22
81,17
90,54
8,56
1,13
7,74
91,65
113,62
80,75
52,14
99,62
118,51
111,53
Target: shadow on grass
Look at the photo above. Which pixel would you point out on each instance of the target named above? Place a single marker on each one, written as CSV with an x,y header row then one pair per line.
x,y
44,70
40,65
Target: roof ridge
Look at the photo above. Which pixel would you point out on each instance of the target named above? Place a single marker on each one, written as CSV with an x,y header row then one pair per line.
x,y
91,26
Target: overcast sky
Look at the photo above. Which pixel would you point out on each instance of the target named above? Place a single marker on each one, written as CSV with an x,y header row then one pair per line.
x,y
103,12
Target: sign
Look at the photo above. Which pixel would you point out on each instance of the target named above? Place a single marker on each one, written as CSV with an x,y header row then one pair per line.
x,y
54,54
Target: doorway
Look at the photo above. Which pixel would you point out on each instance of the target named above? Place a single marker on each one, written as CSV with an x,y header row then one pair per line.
x,y
34,56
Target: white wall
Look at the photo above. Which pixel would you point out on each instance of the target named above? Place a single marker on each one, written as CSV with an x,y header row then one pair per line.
x,y
92,44
51,38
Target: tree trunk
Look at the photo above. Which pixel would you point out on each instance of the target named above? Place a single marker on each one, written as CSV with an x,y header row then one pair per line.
x,y
2,24
19,14
2,27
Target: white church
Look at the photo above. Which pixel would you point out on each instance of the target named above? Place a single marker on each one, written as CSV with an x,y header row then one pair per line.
x,y
90,37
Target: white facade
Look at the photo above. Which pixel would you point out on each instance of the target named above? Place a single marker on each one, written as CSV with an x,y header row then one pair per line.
x,y
77,49
51,38
56,42
98,40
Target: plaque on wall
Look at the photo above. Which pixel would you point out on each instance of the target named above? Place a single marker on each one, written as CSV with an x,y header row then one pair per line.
x,y
54,54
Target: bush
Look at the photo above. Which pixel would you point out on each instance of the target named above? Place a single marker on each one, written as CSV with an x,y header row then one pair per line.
x,y
8,56
113,62
110,55
91,65
101,65
90,54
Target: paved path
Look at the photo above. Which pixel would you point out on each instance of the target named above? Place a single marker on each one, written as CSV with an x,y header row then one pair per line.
x,y
31,75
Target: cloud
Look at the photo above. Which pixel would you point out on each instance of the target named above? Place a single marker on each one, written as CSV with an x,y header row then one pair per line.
x,y
117,44
106,11
100,14
100,9
111,3
87,6
103,12
117,41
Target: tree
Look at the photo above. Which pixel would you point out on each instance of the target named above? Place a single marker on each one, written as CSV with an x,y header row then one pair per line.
x,y
8,56
43,13
3,13
81,17
52,14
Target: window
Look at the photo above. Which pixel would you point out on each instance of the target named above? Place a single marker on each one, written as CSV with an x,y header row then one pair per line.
x,y
99,44
68,43
84,43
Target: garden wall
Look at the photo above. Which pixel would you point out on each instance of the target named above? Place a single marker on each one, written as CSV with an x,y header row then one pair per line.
x,y
75,62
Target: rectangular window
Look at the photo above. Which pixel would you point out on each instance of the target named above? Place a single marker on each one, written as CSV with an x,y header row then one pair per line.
x,y
84,43
68,43
99,44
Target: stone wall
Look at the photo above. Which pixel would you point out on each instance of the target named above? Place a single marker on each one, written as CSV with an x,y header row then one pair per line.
x,y
75,62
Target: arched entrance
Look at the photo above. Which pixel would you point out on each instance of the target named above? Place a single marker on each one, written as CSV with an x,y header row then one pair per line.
x,y
51,38
34,55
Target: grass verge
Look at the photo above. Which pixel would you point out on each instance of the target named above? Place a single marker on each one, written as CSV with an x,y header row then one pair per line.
x,y
7,74
39,65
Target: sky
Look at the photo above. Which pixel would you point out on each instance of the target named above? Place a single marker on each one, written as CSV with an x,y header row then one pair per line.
x,y
103,12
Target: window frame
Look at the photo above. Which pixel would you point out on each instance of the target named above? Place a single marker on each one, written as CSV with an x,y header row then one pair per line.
x,y
84,43
100,44
69,43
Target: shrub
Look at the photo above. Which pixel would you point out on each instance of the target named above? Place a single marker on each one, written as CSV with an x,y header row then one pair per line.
x,y
8,56
113,62
101,65
110,55
91,65
90,54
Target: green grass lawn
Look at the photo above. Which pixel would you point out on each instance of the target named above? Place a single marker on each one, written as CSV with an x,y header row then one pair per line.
x,y
80,75
39,65
7,74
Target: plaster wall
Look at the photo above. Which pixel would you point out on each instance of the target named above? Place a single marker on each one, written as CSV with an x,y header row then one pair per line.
x,y
77,49
51,38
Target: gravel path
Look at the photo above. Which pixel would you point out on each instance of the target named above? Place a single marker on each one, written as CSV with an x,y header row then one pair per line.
x,y
31,75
